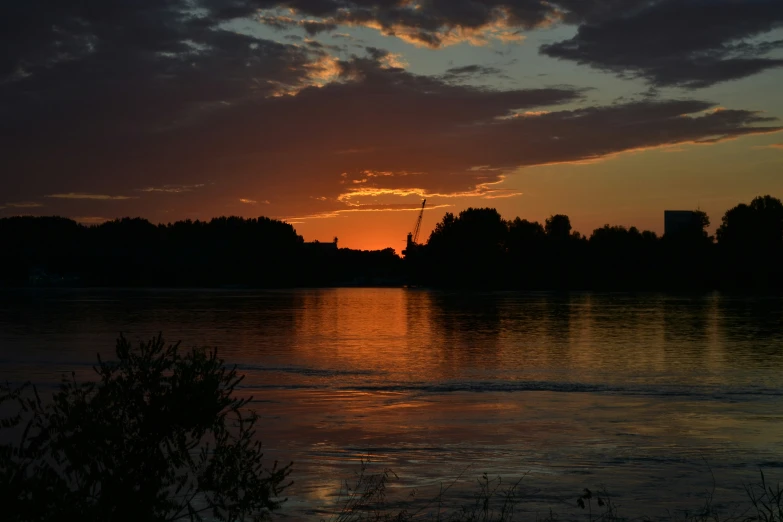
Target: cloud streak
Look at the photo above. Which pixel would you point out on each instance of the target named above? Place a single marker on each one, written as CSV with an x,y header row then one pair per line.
x,y
401,207
23,204
86,195
173,189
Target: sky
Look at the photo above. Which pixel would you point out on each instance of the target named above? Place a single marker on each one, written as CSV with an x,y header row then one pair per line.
x,y
341,116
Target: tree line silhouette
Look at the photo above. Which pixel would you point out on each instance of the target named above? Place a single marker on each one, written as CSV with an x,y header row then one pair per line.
x,y
478,248
226,251
475,249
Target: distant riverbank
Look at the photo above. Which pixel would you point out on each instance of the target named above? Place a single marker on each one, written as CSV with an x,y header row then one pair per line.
x,y
476,249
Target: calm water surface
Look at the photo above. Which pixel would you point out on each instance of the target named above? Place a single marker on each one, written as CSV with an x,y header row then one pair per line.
x,y
643,393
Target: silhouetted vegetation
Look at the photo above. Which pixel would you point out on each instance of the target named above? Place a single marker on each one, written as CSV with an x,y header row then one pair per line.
x,y
475,249
159,436
373,498
751,241
222,252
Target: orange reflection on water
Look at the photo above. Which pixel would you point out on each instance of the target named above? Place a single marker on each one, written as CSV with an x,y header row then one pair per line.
x,y
579,389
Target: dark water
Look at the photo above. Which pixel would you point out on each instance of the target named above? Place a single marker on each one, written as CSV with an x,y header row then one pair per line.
x,y
649,395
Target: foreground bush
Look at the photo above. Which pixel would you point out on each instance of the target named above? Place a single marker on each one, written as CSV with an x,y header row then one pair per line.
x,y
159,436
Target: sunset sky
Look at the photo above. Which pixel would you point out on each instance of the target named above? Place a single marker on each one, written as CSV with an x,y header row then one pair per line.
x,y
340,116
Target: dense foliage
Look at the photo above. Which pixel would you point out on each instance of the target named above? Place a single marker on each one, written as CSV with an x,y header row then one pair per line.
x,y
478,248
160,436
222,252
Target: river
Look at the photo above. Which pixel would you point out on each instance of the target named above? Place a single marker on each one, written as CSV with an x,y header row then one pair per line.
x,y
651,395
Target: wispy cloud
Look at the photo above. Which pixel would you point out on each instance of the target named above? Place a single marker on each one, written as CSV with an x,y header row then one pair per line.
x,y
486,190
248,201
321,215
173,189
502,195
344,36
778,146
85,195
23,204
401,207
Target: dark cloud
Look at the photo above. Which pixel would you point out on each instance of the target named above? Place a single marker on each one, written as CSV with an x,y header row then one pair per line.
x,y
311,27
692,43
472,71
344,36
314,44
376,54
689,43
594,11
101,76
198,103
88,89
431,23
434,15
442,156
596,132
435,23
101,100
314,27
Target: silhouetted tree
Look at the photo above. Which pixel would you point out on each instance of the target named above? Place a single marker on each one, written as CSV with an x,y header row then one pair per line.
x,y
27,243
526,248
558,227
564,248
468,250
751,242
160,436
623,258
522,231
757,225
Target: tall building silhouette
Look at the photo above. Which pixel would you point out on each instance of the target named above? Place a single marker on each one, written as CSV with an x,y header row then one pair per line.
x,y
678,221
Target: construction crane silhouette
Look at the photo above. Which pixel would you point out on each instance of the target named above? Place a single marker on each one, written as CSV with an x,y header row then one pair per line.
x,y
413,237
